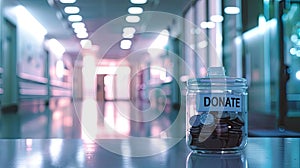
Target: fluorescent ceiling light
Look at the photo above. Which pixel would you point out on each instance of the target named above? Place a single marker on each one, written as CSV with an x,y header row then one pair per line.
x,y
75,18
127,35
86,43
298,53
135,10
125,44
60,69
71,10
80,30
293,51
298,75
294,38
138,1
26,19
216,18
56,47
207,25
129,30
158,45
78,25
133,19
82,35
232,10
203,44
67,1
161,41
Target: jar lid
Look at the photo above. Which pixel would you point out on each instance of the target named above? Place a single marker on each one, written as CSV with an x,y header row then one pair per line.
x,y
216,78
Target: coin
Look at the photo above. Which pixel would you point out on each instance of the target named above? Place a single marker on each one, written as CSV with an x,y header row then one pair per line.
x,y
195,121
207,119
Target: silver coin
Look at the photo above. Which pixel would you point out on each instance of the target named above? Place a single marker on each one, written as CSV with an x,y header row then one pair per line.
x,y
195,120
207,119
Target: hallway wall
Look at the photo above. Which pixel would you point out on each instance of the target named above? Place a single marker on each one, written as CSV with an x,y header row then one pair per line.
x,y
33,65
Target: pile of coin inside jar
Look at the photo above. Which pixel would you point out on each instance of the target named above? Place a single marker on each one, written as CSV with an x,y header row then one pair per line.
x,y
216,130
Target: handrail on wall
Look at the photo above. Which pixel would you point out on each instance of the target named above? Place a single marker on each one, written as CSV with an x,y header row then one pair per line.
x,y
33,78
1,81
31,85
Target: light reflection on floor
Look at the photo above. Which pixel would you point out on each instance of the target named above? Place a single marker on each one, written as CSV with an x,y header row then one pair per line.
x,y
114,119
90,120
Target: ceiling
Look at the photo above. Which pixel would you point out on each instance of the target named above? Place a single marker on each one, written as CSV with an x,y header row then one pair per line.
x,y
98,14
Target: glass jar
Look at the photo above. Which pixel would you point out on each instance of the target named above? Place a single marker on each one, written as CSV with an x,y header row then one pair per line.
x,y
232,160
216,113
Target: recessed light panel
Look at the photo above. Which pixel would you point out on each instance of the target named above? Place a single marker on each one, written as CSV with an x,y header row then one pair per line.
x,y
67,1
71,10
133,19
125,44
135,10
138,1
216,18
75,18
207,25
129,30
82,35
80,29
232,10
78,25
86,43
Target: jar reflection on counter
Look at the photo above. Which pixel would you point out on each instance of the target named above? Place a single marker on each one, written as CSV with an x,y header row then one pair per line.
x,y
236,160
216,113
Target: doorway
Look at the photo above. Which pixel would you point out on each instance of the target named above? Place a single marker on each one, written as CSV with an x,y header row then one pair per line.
x,y
113,83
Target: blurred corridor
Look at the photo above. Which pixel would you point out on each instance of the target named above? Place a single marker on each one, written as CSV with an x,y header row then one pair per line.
x,y
124,77
90,83
115,119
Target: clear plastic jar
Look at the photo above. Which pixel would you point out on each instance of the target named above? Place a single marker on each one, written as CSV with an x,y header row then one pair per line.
x,y
216,113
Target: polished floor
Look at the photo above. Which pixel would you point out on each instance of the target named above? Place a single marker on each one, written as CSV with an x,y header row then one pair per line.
x,y
125,153
64,118
124,134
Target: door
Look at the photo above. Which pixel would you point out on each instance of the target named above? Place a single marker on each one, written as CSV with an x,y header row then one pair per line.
x,y
100,88
10,86
291,53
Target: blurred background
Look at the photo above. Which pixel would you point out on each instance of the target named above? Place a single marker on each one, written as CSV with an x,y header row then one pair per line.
x,y
119,68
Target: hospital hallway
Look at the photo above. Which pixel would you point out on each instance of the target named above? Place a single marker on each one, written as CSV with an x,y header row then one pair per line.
x,y
66,119
128,78
149,83
88,133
